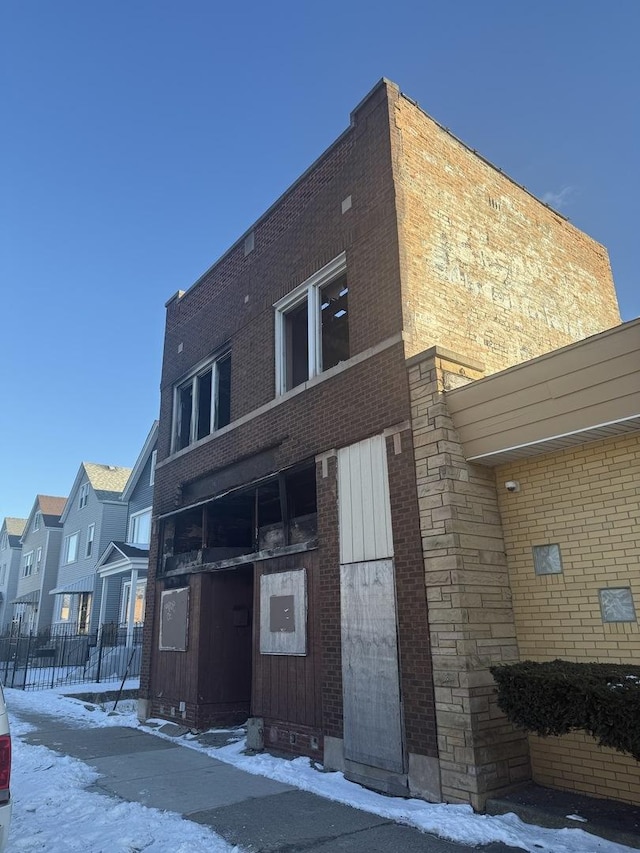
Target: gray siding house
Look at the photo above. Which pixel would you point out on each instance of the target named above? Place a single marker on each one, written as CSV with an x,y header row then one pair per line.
x,y
122,568
41,540
93,517
10,554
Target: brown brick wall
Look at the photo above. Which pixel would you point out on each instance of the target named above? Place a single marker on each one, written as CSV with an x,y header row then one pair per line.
x,y
587,500
487,270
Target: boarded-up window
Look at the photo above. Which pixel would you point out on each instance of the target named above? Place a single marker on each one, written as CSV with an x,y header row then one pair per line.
x,y
283,613
174,620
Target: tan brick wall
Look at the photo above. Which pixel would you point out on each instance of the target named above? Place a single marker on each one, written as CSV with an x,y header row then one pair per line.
x,y
587,500
487,270
470,615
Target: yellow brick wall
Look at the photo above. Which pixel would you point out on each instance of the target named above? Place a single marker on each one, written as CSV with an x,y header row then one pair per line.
x,y
487,270
587,500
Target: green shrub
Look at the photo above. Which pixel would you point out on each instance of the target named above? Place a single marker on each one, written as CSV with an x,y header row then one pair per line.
x,y
559,696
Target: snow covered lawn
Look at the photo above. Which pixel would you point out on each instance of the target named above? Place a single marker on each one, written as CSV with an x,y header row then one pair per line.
x,y
53,812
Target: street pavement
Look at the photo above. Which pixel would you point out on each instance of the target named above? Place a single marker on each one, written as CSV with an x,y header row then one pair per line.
x,y
258,814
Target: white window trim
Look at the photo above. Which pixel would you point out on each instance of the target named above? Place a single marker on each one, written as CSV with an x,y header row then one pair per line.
x,y
132,517
91,535
192,376
38,561
125,599
83,497
67,561
307,290
36,521
152,472
28,564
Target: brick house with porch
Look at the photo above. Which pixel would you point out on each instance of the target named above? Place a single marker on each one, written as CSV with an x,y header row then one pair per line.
x,y
292,579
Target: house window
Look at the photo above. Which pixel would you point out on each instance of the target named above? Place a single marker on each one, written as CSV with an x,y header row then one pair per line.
x,y
312,327
3,574
91,530
4,541
140,528
38,559
71,548
202,404
138,616
65,607
37,520
152,472
28,565
83,497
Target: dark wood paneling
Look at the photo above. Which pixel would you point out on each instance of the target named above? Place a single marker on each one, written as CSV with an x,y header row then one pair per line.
x,y
287,687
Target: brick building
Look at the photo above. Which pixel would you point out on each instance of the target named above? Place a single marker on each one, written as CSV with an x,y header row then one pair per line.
x,y
306,570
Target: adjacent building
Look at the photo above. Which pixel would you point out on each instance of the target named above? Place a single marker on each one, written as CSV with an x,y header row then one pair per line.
x,y
122,567
41,541
10,554
94,515
325,559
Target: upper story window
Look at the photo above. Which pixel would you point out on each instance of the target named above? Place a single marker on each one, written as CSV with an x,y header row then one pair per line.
x,y
3,574
27,565
91,532
37,521
83,497
152,470
38,559
202,403
71,547
4,542
312,326
140,528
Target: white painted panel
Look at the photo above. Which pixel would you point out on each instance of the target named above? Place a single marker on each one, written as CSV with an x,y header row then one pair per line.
x,y
174,620
283,613
370,680
364,505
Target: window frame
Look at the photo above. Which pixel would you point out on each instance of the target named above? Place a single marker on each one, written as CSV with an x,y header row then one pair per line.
x,y
133,518
83,496
67,540
152,471
38,560
37,519
192,379
91,533
27,569
126,597
308,291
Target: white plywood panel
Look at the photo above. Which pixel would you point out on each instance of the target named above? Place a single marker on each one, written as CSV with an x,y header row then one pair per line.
x,y
364,505
371,695
174,620
283,613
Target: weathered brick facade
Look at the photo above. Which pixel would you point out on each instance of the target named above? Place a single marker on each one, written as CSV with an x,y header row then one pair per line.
x,y
442,250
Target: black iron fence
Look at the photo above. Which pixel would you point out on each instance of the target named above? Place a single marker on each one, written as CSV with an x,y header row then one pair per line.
x,y
52,658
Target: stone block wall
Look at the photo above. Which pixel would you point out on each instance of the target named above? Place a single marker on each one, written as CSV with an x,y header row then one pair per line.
x,y
469,601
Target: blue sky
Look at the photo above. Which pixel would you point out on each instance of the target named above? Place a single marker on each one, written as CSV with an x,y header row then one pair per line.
x,y
141,139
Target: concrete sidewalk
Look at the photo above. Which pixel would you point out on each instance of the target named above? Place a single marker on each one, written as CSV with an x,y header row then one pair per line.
x,y
258,814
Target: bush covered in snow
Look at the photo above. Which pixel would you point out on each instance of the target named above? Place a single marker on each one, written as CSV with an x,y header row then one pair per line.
x,y
557,697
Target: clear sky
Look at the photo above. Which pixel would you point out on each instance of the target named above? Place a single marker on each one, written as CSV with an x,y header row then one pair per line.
x,y
140,139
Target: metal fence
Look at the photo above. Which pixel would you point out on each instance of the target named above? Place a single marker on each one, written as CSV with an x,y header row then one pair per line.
x,y
53,658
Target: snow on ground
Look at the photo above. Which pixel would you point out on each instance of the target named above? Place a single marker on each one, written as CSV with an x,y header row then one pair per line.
x,y
53,812
96,824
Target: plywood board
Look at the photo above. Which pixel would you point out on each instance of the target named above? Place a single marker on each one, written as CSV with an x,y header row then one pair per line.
x,y
174,620
371,693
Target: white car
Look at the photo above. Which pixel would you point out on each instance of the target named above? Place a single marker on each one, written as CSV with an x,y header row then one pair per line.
x,y
5,773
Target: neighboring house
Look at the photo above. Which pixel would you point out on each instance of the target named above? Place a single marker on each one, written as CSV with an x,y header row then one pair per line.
x,y
93,517
323,560
41,540
10,554
122,567
561,434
